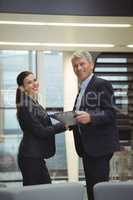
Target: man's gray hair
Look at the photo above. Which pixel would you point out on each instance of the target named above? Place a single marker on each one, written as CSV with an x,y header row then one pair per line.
x,y
82,54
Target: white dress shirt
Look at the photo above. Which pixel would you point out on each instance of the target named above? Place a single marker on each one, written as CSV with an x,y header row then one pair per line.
x,y
82,87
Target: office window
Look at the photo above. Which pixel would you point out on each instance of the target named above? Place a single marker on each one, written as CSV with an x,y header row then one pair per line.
x,y
11,64
54,101
118,69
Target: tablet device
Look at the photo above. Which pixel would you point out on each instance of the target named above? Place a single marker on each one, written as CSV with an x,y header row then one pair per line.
x,y
65,117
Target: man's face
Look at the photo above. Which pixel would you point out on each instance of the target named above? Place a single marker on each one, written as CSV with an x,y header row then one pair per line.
x,y
82,68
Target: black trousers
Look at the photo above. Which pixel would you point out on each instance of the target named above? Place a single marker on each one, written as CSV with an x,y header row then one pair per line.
x,y
96,170
34,171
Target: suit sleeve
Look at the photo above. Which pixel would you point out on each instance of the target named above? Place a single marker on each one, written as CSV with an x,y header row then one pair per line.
x,y
104,113
30,123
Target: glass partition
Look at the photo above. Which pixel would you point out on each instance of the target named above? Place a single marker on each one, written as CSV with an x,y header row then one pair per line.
x,y
11,64
54,98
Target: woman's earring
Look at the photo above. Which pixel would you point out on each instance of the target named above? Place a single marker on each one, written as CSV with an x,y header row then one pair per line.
x,y
21,88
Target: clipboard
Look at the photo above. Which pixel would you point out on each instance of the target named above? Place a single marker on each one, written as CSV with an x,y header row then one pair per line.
x,y
65,117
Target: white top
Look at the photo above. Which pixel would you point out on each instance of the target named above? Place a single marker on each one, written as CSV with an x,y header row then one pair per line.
x,y
83,87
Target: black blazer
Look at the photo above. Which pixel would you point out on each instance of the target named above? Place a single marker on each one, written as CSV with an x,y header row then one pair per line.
x,y
100,137
38,132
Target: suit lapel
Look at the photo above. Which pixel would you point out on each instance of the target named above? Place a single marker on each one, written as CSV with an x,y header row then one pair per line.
x,y
75,101
91,84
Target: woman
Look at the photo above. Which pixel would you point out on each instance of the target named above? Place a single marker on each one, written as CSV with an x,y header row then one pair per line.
x,y
38,140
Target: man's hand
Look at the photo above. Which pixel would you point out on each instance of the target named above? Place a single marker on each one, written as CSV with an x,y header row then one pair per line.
x,y
83,117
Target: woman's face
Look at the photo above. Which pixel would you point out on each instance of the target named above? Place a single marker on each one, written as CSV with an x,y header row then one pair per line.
x,y
30,85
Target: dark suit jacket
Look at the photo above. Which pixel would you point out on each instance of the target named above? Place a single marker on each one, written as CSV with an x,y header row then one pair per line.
x,y
99,137
38,132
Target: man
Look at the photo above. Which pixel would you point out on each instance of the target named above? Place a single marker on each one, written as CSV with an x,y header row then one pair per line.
x,y
95,135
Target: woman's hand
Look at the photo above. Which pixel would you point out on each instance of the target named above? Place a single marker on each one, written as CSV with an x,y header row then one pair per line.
x,y
66,126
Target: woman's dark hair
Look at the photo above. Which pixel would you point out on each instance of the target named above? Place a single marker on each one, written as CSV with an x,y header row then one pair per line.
x,y
20,82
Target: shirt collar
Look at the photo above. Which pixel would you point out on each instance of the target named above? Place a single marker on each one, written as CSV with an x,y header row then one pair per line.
x,y
84,83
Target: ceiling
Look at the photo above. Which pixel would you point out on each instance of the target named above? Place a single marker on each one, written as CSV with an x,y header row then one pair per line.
x,y
34,36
